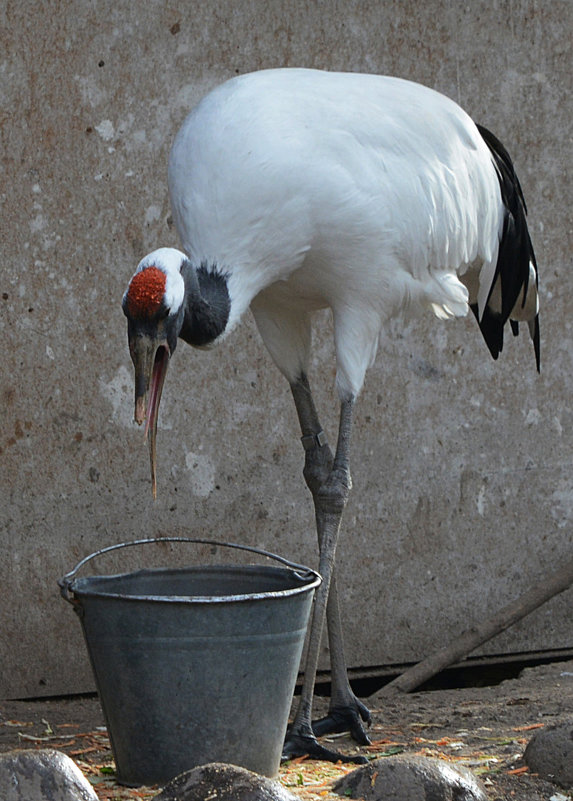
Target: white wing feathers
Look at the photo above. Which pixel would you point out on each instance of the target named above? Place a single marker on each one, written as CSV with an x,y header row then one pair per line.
x,y
367,194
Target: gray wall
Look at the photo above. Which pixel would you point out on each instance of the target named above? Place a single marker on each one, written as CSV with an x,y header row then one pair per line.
x,y
463,493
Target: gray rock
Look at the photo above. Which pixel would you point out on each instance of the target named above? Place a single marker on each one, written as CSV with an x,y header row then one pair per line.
x,y
550,754
223,783
45,775
411,778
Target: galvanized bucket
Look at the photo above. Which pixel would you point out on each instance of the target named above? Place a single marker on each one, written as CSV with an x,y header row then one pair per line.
x,y
194,664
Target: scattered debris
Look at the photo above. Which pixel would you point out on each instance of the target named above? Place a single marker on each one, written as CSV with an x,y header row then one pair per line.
x,y
485,729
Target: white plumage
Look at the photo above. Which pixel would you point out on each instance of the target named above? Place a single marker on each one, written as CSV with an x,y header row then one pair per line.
x,y
294,190
366,194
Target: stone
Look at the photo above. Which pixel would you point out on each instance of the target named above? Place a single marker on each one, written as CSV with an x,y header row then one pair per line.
x,y
550,754
44,775
413,778
224,783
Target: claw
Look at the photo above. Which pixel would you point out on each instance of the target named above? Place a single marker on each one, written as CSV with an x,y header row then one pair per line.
x,y
345,718
296,745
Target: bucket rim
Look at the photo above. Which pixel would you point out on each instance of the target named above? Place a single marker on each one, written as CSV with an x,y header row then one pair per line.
x,y
308,583
311,577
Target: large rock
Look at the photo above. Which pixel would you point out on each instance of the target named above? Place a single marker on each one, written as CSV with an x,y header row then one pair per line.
x,y
550,754
223,782
45,775
411,778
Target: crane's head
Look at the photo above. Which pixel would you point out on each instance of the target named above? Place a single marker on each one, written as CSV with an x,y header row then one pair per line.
x,y
154,304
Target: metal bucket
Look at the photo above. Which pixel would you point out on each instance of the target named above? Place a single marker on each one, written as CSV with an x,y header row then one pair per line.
x,y
194,664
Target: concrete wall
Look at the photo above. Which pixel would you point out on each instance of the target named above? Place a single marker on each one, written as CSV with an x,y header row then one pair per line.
x,y
463,493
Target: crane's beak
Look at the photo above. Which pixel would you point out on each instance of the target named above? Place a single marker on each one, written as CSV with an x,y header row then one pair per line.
x,y
150,358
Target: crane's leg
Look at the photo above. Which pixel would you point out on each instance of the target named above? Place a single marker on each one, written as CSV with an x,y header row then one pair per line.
x,y
346,711
329,482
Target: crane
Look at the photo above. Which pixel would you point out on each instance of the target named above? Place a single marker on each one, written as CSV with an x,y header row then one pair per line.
x,y
294,190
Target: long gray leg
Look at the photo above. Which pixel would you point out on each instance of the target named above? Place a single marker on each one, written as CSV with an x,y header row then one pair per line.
x,y
346,711
328,479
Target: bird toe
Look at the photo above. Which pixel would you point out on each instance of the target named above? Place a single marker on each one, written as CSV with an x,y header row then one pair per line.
x,y
345,718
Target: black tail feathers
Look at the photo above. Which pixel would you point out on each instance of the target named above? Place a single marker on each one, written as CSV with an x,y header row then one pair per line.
x,y
515,255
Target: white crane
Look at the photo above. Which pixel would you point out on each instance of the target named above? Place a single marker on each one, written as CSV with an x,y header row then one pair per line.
x,y
294,190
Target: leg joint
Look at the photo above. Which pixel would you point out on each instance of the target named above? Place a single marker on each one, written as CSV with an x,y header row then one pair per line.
x,y
333,493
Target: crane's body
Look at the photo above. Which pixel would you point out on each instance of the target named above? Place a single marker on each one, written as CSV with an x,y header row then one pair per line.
x,y
330,187
294,190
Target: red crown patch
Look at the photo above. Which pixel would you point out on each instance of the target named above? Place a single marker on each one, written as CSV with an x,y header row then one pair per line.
x,y
145,293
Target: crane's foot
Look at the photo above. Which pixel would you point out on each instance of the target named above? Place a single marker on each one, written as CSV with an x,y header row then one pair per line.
x,y
297,745
345,718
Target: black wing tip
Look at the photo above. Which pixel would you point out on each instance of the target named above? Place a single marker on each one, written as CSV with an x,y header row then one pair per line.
x,y
491,326
514,257
536,343
503,162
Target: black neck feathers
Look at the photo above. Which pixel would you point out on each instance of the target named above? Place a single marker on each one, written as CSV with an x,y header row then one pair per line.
x,y
207,304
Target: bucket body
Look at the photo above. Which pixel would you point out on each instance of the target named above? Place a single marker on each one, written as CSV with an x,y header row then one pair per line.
x,y
196,664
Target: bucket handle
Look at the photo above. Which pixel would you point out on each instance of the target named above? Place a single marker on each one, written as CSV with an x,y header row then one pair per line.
x,y
304,573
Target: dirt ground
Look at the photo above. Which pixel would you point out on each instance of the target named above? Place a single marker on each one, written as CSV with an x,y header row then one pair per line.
x,y
485,729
